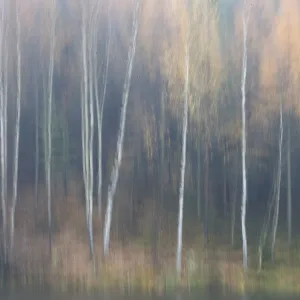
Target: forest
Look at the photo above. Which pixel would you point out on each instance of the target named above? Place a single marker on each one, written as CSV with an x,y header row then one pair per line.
x,y
150,143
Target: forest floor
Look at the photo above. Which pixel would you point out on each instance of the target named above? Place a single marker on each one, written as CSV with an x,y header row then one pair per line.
x,y
130,262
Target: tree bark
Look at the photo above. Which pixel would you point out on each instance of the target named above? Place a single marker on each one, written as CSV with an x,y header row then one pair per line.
x,y
276,210
49,127
100,109
91,137
233,207
183,159
265,228
244,145
37,150
289,185
225,181
65,141
118,158
87,115
198,177
3,136
206,187
17,133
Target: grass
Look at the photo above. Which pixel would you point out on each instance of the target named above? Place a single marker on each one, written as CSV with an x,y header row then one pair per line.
x,y
129,266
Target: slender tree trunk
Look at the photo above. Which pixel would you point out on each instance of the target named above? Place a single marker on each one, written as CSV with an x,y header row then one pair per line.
x,y
100,109
162,141
17,135
91,144
276,210
170,170
160,176
289,185
206,183
84,109
3,123
44,118
244,145
88,87
155,223
183,158
65,141
162,154
225,181
118,158
131,194
87,120
265,228
198,177
6,83
49,128
3,137
37,149
233,208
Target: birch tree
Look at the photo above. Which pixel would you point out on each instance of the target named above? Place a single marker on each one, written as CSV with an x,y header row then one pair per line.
x,y
100,106
37,147
204,78
276,210
207,69
90,137
244,145
162,148
285,44
3,124
199,178
289,185
118,157
225,166
87,116
48,162
84,103
183,156
266,223
17,131
234,186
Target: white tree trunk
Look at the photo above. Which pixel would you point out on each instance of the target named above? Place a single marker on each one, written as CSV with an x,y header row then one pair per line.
x,y
3,137
198,177
234,199
100,109
118,158
91,143
37,149
87,118
276,210
49,126
289,185
65,141
84,109
265,228
17,133
83,113
244,145
183,160
162,138
225,182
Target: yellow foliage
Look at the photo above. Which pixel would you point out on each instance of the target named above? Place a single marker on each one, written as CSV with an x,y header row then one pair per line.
x,y
198,25
280,64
